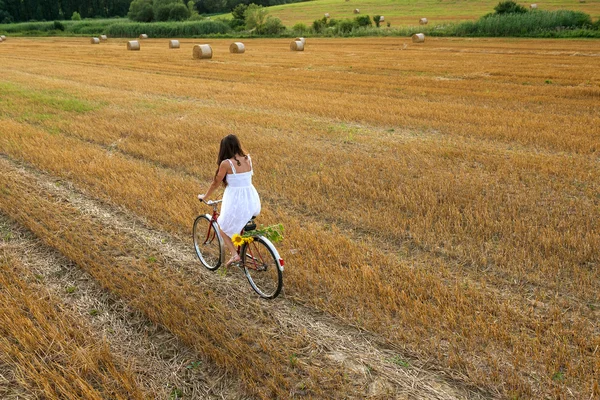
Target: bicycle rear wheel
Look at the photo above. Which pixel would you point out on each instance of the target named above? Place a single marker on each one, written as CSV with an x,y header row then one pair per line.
x,y
208,242
261,266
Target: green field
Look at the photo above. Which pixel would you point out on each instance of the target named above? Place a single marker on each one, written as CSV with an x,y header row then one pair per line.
x,y
408,12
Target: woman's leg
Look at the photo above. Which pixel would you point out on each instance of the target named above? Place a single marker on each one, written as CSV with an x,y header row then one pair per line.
x,y
229,245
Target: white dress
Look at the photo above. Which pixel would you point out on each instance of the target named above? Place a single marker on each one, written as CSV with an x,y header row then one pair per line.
x,y
240,201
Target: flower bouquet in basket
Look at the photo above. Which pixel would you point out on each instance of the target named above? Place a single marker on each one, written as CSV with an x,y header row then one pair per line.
x,y
273,232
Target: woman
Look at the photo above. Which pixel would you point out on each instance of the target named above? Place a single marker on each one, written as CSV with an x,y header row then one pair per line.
x,y
240,200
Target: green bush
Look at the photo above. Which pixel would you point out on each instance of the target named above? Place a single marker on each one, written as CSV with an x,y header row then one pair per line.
x,y
196,17
255,17
300,28
179,12
162,13
509,7
319,25
59,26
76,16
167,29
272,26
363,20
538,23
141,11
345,26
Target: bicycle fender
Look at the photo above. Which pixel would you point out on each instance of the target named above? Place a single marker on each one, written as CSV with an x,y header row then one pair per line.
x,y
274,249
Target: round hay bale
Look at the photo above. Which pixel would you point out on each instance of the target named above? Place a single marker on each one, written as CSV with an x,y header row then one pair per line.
x,y
95,40
303,40
356,11
133,45
237,48
423,21
533,6
202,51
326,15
143,36
3,37
381,18
173,44
418,38
103,38
297,45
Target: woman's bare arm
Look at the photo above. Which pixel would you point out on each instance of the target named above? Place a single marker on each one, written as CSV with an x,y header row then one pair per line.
x,y
223,170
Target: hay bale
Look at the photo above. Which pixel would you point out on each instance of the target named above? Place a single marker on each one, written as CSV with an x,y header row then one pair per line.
x,y
533,6
1,40
173,44
303,40
381,18
133,45
202,51
297,45
418,38
326,15
143,36
95,40
356,11
3,37
103,38
423,21
237,48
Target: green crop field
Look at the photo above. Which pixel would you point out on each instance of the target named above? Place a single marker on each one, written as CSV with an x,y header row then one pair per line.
x,y
408,12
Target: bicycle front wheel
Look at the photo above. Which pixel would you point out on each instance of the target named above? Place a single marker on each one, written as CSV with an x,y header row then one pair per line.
x,y
208,242
261,266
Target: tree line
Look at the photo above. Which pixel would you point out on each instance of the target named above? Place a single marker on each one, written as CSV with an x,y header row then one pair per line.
x,y
49,10
147,10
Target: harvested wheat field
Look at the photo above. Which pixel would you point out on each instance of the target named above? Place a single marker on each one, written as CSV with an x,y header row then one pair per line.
x,y
441,206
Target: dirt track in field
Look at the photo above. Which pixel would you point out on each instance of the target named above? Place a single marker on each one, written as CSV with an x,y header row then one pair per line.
x,y
382,370
161,363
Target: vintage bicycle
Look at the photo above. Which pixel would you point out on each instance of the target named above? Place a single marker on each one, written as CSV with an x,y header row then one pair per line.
x,y
259,258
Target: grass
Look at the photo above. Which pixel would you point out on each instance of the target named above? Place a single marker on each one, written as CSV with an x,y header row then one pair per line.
x,y
32,324
402,13
457,221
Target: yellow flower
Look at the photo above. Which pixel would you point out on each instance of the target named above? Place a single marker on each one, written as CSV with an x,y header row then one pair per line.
x,y
237,240
248,240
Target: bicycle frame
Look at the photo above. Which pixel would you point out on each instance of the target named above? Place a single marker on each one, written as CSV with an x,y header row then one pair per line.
x,y
257,260
214,217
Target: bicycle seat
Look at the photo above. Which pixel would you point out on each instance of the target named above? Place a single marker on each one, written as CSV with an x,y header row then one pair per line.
x,y
250,225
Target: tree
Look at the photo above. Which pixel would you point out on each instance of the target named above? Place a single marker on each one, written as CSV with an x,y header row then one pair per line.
x,y
377,20
363,20
272,26
239,12
179,12
255,17
141,11
509,7
161,13
76,16
193,10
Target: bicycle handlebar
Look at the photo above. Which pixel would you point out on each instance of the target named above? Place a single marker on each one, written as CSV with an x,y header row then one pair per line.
x,y
211,202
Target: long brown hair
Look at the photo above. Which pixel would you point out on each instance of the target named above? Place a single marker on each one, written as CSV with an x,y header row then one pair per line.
x,y
230,148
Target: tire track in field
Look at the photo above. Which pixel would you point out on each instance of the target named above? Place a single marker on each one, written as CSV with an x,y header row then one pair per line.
x,y
161,363
380,367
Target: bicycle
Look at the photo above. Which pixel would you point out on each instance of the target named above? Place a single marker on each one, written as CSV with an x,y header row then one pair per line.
x,y
260,260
